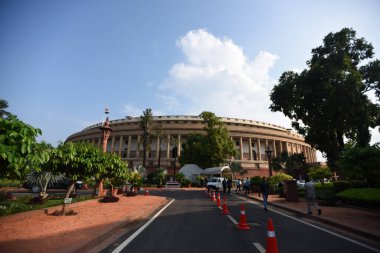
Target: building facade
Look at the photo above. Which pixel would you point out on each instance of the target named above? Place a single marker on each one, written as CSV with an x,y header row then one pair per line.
x,y
250,137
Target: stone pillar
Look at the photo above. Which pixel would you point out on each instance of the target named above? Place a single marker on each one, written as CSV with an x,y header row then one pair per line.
x,y
138,146
258,149
113,144
168,147
129,146
158,145
250,149
120,145
241,148
274,149
179,145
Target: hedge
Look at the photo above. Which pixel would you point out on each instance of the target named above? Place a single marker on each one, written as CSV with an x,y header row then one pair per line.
x,y
367,197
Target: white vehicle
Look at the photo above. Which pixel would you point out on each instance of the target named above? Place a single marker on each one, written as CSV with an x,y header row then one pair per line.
x,y
215,183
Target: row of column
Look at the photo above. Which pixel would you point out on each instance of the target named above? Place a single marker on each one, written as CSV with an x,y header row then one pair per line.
x,y
309,152
276,147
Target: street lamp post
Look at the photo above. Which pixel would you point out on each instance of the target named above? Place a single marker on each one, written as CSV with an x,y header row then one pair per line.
x,y
269,156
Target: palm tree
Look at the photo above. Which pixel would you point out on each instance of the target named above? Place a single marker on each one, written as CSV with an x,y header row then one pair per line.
x,y
235,167
41,180
145,124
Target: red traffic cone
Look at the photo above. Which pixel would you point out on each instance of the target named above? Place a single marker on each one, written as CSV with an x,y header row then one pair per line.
x,y
218,200
271,238
225,208
213,196
243,219
146,192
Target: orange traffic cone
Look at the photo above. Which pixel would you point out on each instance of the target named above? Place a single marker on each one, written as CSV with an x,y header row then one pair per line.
x,y
146,192
271,238
218,200
243,219
225,208
213,196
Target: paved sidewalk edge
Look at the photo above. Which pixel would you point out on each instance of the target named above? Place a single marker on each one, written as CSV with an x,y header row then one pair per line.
x,y
320,219
130,224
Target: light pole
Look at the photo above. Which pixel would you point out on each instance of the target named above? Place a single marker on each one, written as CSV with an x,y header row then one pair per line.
x,y
269,156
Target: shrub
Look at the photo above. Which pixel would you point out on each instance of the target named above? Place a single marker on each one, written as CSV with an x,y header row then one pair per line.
x,y
109,199
340,186
368,197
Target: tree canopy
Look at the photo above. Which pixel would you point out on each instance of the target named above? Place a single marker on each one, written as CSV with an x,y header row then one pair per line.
x,y
210,149
328,102
17,148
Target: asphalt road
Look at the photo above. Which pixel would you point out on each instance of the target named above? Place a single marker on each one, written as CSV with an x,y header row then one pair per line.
x,y
193,223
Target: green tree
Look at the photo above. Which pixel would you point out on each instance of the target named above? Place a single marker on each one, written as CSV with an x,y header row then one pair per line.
x,y
327,102
293,165
362,163
235,168
319,174
78,161
41,175
3,106
116,170
211,149
146,127
17,148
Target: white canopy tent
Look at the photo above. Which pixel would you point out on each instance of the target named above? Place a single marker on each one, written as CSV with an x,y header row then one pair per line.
x,y
217,171
191,171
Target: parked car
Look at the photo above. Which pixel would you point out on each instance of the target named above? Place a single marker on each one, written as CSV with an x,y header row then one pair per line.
x,y
215,183
62,184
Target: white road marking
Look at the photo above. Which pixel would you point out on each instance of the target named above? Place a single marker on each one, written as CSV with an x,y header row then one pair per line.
x,y
135,234
232,219
259,247
314,226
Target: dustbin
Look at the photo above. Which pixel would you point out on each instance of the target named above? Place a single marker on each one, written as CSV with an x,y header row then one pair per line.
x,y
290,190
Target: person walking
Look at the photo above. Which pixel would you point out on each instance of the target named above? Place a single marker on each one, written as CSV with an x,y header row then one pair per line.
x,y
238,185
229,185
224,184
247,185
264,189
310,197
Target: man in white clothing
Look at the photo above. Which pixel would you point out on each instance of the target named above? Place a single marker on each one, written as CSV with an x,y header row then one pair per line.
x,y
311,197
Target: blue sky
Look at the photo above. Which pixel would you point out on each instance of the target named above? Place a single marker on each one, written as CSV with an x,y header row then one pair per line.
x,y
63,62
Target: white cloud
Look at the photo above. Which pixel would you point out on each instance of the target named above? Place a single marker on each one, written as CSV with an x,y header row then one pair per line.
x,y
217,76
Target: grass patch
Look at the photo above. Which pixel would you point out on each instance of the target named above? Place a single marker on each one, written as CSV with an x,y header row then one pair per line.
x,y
9,183
368,197
24,204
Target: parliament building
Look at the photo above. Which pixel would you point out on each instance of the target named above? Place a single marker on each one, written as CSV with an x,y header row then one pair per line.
x,y
251,138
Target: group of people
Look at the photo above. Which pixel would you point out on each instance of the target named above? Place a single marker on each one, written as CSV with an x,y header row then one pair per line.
x,y
310,195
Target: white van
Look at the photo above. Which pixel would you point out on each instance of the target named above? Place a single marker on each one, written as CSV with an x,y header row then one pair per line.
x,y
215,183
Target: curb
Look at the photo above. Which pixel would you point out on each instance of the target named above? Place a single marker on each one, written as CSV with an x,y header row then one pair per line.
x,y
320,219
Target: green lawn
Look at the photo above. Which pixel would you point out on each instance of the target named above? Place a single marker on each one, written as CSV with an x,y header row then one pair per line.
x,y
24,204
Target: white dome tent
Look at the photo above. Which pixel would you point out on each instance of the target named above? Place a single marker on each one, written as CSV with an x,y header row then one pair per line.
x,y
191,171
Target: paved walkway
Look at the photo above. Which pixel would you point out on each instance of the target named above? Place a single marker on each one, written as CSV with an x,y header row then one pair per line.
x,y
364,222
